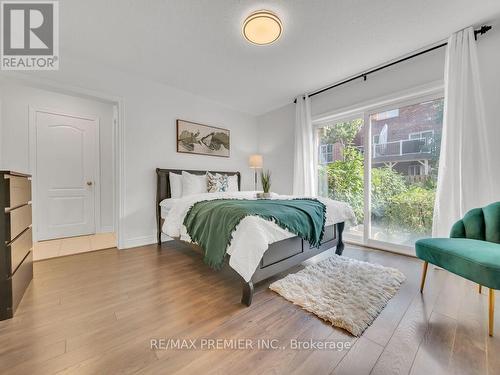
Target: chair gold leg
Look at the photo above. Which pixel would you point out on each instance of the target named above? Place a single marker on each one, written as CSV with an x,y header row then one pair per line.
x,y
424,274
480,288
492,312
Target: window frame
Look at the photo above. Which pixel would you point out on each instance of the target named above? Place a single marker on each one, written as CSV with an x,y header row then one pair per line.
x,y
326,153
420,133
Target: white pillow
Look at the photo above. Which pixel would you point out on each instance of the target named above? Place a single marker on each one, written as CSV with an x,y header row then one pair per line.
x,y
175,185
232,183
193,184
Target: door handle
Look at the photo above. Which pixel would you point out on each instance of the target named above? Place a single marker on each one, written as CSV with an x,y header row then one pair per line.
x,y
89,183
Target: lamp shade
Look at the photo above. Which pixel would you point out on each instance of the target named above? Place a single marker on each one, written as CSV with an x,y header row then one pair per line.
x,y
255,161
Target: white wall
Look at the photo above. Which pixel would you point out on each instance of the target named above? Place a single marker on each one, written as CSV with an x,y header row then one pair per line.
x,y
150,142
412,73
278,154
276,142
150,110
14,137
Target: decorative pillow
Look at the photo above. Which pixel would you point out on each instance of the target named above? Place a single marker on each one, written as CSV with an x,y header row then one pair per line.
x,y
193,184
232,183
217,182
175,185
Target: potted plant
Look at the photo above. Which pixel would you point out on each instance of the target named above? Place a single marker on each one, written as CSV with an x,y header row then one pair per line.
x,y
265,178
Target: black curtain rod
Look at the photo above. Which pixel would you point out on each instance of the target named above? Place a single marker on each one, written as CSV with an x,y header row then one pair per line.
x,y
480,31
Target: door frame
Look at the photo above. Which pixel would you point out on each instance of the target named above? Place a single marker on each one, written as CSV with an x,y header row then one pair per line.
x,y
118,145
33,110
430,91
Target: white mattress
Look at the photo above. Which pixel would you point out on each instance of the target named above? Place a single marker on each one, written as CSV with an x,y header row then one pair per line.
x,y
253,235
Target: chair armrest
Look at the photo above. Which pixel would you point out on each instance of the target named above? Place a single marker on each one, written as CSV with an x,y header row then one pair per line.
x,y
458,230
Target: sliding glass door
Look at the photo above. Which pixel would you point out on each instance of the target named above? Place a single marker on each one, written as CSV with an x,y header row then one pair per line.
x,y
405,145
384,163
341,167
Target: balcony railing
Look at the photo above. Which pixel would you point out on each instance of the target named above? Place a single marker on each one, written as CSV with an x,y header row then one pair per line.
x,y
402,147
329,153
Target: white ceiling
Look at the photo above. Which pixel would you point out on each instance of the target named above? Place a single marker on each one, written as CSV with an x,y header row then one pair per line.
x,y
196,45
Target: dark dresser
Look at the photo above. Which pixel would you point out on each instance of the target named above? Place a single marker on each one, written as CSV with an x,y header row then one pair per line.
x,y
16,243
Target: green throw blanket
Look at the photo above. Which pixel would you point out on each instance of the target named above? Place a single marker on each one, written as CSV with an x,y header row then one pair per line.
x,y
211,223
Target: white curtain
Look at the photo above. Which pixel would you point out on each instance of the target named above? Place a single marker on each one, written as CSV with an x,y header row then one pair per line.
x,y
465,169
304,172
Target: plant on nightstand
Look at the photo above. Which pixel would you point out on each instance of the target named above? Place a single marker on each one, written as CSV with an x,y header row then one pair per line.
x,y
265,178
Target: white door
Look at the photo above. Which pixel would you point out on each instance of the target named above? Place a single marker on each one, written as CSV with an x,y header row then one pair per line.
x,y
66,169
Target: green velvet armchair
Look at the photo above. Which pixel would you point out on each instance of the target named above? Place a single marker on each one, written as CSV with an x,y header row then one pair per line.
x,y
472,251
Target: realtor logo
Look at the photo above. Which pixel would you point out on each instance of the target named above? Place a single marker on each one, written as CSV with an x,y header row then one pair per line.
x,y
30,35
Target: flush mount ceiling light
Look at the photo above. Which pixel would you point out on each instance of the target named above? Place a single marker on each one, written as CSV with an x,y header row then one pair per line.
x,y
262,27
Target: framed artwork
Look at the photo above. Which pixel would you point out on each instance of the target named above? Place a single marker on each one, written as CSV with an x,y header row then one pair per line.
x,y
193,138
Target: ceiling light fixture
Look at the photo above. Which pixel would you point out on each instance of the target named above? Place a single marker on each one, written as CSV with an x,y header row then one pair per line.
x,y
262,27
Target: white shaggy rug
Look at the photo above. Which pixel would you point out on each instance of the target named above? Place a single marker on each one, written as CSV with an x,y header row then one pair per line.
x,y
346,292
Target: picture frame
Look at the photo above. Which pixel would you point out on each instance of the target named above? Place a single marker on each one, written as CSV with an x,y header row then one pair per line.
x,y
200,139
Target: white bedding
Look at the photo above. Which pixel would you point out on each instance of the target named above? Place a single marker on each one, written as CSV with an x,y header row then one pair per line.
x,y
253,235
166,205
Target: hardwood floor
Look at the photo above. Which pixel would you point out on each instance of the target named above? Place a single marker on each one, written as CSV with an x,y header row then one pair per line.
x,y
96,313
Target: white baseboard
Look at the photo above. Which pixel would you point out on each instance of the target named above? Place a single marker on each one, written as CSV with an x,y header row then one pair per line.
x,y
107,229
138,241
143,241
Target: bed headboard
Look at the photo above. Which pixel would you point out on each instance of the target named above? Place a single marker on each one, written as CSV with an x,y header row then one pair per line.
x,y
163,188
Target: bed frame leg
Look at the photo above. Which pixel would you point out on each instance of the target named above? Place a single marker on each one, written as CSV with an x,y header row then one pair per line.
x,y
159,237
340,244
158,226
247,293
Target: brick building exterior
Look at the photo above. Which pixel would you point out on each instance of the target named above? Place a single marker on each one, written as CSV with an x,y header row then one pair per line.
x,y
406,139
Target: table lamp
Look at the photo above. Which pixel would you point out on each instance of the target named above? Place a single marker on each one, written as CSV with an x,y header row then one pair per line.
x,y
255,162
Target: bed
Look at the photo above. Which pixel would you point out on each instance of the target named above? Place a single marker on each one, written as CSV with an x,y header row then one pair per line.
x,y
275,258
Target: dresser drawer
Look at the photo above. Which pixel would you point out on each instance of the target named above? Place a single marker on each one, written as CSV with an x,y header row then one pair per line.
x,y
20,219
20,248
21,279
19,190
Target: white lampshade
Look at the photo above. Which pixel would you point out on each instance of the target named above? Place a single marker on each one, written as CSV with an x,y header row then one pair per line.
x,y
255,161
